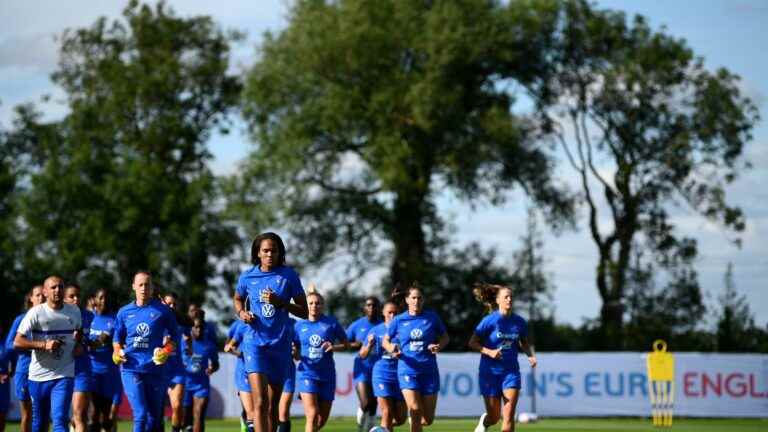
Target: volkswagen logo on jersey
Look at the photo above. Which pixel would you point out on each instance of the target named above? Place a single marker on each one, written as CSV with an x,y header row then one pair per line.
x,y
416,344
142,329
267,310
416,333
315,340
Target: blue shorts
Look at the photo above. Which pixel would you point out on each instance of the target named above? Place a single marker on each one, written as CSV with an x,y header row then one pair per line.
x,y
324,389
361,372
268,360
241,381
21,386
108,385
84,382
426,383
289,386
196,389
493,385
387,388
5,396
174,374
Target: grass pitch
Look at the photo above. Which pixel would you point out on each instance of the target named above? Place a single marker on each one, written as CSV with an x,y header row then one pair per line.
x,y
346,424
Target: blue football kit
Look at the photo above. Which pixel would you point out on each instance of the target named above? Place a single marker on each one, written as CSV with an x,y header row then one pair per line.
x,y
141,329
499,332
358,332
105,373
384,371
316,372
417,366
21,360
237,332
267,350
198,384
83,371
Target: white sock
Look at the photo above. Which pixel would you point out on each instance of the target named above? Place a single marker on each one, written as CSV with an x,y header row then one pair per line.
x,y
360,416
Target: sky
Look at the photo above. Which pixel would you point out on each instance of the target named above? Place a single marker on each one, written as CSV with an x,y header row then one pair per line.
x,y
727,33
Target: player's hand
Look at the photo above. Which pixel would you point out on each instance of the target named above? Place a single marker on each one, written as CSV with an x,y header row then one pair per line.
x,y
159,356
245,316
327,346
269,296
396,352
370,340
434,348
118,357
209,371
493,353
532,361
228,347
53,345
3,378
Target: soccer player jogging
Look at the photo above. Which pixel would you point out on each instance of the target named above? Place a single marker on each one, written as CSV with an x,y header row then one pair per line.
x,y
421,335
5,381
20,360
83,380
200,363
289,387
270,286
55,330
108,388
235,336
498,338
139,347
357,332
174,368
384,374
316,339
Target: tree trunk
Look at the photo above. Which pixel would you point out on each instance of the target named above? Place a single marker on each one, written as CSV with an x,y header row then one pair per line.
x,y
407,235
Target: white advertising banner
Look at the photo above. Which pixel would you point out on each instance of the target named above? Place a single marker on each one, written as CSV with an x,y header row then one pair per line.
x,y
566,384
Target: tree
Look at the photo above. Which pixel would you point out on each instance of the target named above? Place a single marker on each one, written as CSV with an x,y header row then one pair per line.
x,y
364,112
121,183
534,289
646,127
736,330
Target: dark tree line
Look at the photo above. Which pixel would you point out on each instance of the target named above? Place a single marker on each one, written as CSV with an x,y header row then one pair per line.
x,y
361,115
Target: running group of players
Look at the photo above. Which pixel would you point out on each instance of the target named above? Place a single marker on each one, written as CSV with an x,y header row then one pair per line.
x,y
145,352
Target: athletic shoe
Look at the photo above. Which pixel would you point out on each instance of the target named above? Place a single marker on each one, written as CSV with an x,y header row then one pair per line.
x,y
481,424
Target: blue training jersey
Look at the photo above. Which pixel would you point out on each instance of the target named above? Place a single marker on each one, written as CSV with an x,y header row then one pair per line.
x,y
141,329
271,325
237,332
203,354
358,332
497,331
101,356
21,358
315,362
384,365
416,333
83,361
5,358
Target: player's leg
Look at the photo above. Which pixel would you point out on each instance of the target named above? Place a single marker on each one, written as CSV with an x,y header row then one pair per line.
x,y
274,392
311,410
60,402
40,394
175,397
429,386
415,405
284,411
259,401
199,405
491,389
511,396
155,387
324,411
366,399
133,385
21,384
247,404
80,402
5,399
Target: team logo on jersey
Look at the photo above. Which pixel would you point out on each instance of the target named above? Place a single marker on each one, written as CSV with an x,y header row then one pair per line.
x,y
267,310
315,340
416,333
142,329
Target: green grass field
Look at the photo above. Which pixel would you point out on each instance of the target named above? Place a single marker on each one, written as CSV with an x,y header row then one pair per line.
x,y
550,425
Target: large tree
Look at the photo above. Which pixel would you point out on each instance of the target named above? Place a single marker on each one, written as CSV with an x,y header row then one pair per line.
x,y
646,126
121,183
363,113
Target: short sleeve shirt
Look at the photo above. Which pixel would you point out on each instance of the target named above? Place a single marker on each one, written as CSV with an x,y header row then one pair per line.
x,y
497,331
46,323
